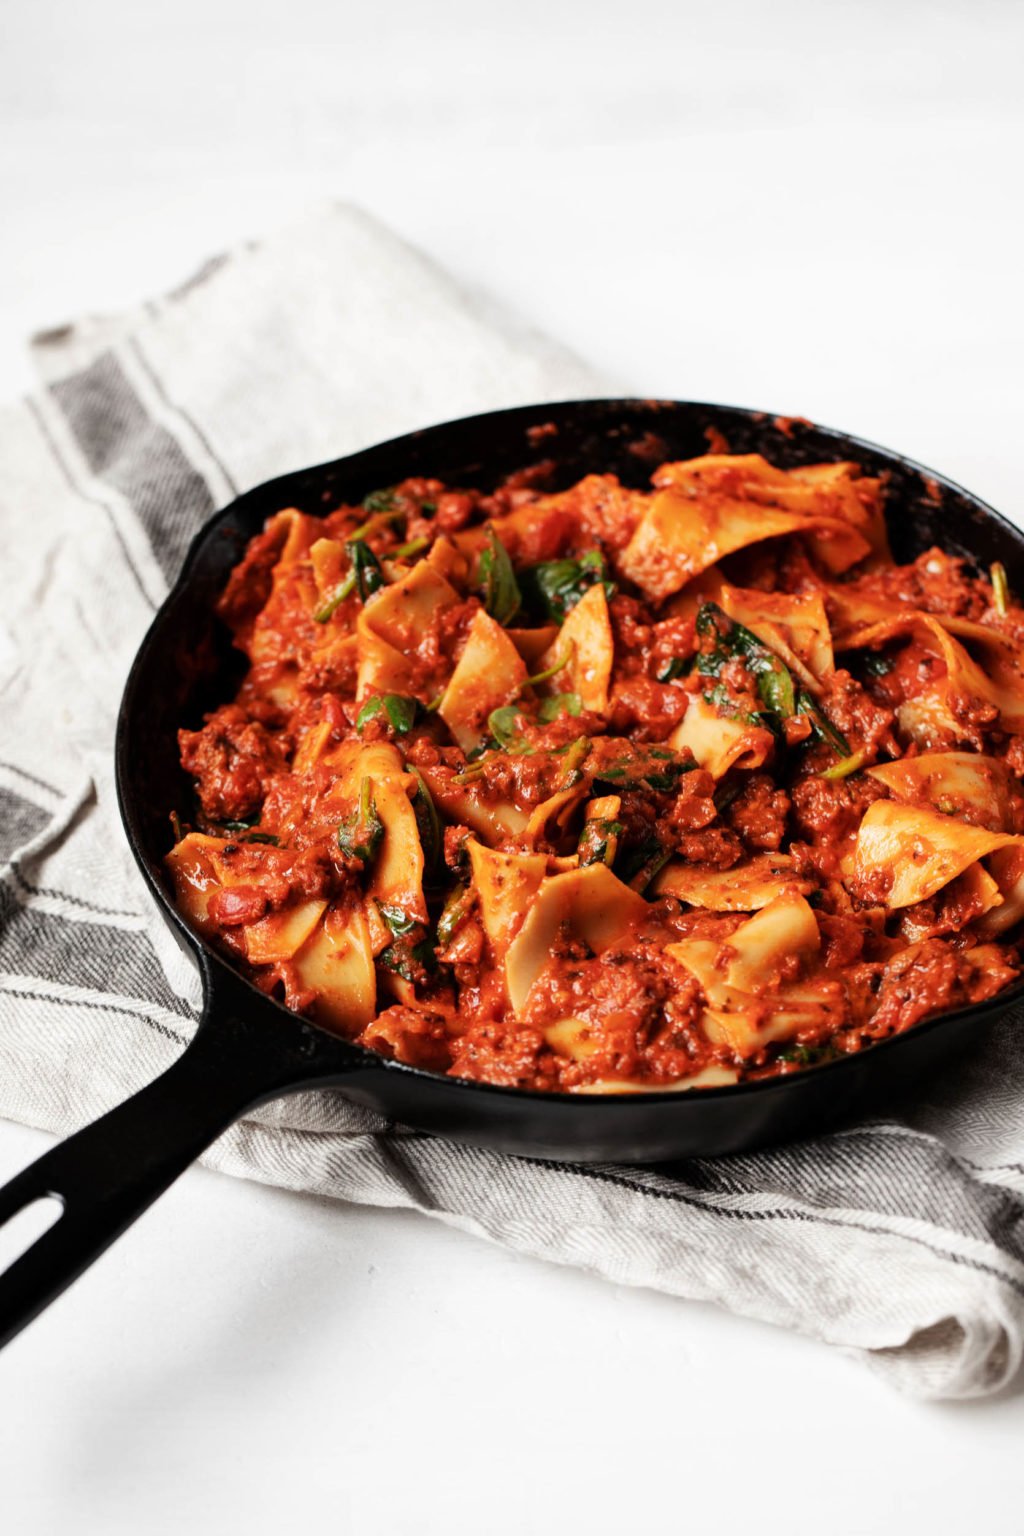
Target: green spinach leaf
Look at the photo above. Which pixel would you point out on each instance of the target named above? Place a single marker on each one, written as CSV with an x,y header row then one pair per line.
x,y
554,587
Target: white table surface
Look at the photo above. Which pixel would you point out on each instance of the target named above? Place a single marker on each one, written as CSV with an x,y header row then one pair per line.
x,y
815,209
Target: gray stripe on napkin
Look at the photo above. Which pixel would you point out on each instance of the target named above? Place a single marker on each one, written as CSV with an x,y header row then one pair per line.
x,y
768,1209
67,898
146,364
135,456
39,416
86,954
108,1007
30,778
895,1174
20,821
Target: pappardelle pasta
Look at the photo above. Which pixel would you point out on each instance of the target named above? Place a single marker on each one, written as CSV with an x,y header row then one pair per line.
x,y
613,790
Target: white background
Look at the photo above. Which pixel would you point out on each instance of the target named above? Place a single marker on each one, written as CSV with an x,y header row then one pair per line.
x,y
813,208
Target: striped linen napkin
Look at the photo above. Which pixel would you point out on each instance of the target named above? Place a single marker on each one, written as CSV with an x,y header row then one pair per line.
x,y
900,1239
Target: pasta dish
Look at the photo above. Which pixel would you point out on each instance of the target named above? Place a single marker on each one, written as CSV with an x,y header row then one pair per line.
x,y
613,790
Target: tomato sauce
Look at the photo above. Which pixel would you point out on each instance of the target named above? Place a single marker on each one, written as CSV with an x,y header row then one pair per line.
x,y
532,811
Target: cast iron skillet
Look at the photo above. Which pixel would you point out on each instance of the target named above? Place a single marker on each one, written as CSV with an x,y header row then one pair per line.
x,y
249,1049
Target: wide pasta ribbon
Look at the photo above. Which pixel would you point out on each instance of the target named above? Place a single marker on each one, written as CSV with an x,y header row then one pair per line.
x,y
721,741
951,782
745,888
793,625
861,623
590,904
747,1003
920,850
710,507
490,672
390,624
326,945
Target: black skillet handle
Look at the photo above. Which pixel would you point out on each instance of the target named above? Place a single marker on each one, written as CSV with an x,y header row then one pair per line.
x,y
108,1173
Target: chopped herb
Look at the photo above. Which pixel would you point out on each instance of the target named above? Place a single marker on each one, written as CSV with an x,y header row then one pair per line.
x,y
731,641
366,568
414,547
727,706
638,865
469,774
1000,588
398,921
599,841
241,832
360,835
877,665
722,699
380,501
559,704
401,712
845,766
575,755
365,573
556,586
428,506
502,724
502,721
642,768
774,680
775,685
498,580
395,514
370,526
822,726
725,793
336,598
456,909
414,962
561,660
457,858
808,1055
427,821
670,670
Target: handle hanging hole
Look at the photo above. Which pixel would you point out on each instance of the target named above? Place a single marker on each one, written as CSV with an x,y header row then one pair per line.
x,y
26,1226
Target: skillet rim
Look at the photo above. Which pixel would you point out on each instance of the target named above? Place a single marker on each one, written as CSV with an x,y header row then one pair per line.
x,y
211,961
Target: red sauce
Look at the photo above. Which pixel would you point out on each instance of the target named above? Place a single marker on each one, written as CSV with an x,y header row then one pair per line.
x,y
568,774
